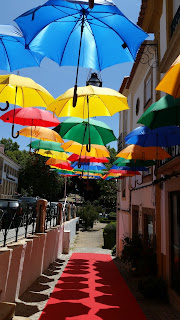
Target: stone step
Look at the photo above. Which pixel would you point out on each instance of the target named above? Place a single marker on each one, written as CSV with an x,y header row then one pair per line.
x,y
20,318
7,310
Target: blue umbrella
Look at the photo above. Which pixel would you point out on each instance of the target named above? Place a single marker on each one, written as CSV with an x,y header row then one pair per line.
x,y
161,137
13,54
88,166
72,34
114,167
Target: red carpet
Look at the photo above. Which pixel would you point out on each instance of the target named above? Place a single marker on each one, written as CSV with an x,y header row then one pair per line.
x,y
91,287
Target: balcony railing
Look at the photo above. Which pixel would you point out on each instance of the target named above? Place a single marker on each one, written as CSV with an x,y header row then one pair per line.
x,y
121,141
175,21
173,151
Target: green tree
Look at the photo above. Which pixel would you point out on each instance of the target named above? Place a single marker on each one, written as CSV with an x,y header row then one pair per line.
x,y
88,214
9,145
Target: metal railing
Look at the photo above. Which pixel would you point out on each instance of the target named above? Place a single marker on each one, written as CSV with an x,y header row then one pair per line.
x,y
175,21
173,151
22,222
121,141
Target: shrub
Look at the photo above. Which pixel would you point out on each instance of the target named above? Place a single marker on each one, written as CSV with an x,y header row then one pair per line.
x,y
112,216
104,220
88,214
153,288
109,235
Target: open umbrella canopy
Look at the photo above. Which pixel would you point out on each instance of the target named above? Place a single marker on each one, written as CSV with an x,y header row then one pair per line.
x,y
52,154
164,112
46,145
134,162
143,153
87,167
98,164
30,117
128,172
41,133
56,162
75,157
23,92
86,131
77,148
13,54
59,29
170,83
92,101
115,168
162,137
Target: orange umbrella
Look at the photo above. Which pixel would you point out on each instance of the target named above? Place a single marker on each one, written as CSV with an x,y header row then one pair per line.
x,y
134,151
96,151
56,163
41,133
170,83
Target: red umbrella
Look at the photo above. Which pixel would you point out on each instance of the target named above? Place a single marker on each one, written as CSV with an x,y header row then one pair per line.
x,y
75,157
30,117
128,172
59,164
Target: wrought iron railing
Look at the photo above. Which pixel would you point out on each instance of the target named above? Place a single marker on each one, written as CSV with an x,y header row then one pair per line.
x,y
175,21
173,151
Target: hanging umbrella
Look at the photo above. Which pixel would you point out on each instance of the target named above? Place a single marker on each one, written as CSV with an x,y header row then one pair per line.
x,y
72,34
143,153
164,112
124,171
13,55
57,163
30,117
46,145
134,162
96,150
86,131
86,167
115,168
170,83
52,154
23,92
162,137
41,133
75,157
92,101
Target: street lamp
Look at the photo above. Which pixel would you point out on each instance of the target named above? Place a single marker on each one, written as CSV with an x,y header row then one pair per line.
x,y
94,80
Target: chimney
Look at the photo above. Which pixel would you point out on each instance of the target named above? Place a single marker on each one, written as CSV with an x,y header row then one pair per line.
x,y
2,148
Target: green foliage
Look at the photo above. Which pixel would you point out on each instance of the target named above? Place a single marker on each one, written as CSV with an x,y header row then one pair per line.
x,y
9,145
20,157
109,235
153,287
113,251
88,214
141,260
104,220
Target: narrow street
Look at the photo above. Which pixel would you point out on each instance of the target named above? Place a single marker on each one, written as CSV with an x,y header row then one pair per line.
x,y
79,266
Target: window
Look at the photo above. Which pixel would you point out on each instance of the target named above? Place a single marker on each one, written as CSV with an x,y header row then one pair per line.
x,y
148,89
137,106
123,188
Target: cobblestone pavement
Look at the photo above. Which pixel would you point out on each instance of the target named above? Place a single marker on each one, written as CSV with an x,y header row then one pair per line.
x,y
33,301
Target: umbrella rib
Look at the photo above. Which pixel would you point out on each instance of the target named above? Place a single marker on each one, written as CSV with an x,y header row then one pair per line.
x,y
6,54
108,26
96,45
67,42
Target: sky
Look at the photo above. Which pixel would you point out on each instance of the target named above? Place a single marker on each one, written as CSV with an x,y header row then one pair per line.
x,y
59,79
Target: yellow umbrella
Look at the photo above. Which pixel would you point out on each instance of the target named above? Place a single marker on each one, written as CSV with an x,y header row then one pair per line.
x,y
41,133
134,151
52,154
92,101
97,151
23,92
170,83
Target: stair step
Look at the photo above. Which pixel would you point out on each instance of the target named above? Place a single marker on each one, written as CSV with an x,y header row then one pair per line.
x,y
7,310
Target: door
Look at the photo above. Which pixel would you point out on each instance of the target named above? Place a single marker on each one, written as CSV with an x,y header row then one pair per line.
x,y
135,218
175,241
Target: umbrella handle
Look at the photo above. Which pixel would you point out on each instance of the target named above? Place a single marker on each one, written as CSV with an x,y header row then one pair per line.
x,y
88,146
7,107
75,96
91,4
12,133
79,163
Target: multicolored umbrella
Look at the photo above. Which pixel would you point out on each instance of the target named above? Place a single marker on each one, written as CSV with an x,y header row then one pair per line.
x,y
164,112
92,102
75,157
115,168
162,137
52,154
86,131
77,148
30,117
143,153
170,83
134,162
41,133
46,145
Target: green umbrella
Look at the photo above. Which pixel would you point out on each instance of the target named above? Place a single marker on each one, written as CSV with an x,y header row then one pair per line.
x,y
86,131
134,163
46,145
164,112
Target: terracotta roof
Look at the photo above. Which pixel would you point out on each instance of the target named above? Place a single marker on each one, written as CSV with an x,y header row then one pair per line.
x,y
142,12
